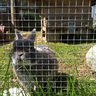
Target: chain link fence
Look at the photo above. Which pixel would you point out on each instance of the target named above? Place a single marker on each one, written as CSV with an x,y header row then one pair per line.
x,y
47,47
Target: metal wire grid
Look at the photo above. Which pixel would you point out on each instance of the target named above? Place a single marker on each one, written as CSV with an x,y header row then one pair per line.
x,y
52,15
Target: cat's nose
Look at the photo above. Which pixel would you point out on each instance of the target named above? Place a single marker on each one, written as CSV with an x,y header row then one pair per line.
x,y
20,54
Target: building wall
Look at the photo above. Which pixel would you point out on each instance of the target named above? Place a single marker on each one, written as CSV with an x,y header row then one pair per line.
x,y
69,17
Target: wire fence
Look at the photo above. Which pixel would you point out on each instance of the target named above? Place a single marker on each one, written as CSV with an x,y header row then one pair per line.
x,y
47,47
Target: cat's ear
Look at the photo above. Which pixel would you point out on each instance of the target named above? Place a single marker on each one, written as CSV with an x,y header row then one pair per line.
x,y
18,35
32,36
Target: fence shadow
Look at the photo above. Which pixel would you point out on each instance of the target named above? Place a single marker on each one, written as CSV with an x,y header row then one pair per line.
x,y
78,38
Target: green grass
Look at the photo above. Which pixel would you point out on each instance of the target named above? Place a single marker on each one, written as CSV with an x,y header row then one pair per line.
x,y
69,58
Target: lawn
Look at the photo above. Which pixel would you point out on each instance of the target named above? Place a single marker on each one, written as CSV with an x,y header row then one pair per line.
x,y
70,57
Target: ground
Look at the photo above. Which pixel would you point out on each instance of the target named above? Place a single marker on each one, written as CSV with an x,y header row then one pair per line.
x,y
70,61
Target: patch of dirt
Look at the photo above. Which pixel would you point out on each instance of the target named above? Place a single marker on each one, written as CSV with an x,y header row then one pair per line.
x,y
82,70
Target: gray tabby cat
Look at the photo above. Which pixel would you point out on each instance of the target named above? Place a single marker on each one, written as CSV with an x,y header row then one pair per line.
x,y
32,64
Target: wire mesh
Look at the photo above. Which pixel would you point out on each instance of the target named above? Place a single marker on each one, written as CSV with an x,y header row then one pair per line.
x,y
58,58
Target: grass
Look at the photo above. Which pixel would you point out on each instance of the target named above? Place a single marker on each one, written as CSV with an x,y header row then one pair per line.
x,y
70,57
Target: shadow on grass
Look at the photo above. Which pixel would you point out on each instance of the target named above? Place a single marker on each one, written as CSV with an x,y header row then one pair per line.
x,y
78,38
62,86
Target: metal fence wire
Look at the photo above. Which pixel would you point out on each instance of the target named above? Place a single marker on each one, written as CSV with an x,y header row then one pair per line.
x,y
47,47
